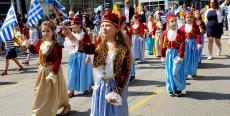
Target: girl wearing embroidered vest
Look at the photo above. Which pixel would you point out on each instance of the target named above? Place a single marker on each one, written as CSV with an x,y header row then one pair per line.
x,y
173,45
138,41
80,75
158,36
50,87
151,26
192,44
202,28
125,31
111,67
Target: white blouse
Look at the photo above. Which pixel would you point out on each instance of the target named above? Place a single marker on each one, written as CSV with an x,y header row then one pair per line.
x,y
135,26
150,27
172,34
188,28
71,47
98,71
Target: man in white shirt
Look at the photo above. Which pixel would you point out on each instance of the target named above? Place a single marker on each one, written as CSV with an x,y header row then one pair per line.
x,y
128,12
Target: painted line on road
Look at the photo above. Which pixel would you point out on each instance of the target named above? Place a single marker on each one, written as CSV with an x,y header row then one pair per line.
x,y
158,103
145,99
13,86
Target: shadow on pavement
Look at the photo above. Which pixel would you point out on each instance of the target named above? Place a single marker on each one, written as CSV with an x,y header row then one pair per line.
x,y
137,82
212,78
135,93
8,83
149,62
199,95
213,65
76,113
150,67
83,95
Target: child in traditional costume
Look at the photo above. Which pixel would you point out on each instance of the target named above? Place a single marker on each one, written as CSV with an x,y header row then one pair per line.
x,y
193,44
111,65
138,41
202,28
151,26
158,35
173,46
50,87
80,75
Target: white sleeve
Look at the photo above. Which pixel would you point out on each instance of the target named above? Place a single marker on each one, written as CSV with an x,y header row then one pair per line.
x,y
205,17
223,5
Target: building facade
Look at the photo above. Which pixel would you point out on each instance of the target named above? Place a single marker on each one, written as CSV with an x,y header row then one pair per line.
x,y
166,4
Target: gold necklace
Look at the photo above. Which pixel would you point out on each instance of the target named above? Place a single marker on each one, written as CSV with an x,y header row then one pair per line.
x,y
105,78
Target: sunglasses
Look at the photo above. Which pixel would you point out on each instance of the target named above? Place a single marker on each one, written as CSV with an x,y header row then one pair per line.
x,y
127,2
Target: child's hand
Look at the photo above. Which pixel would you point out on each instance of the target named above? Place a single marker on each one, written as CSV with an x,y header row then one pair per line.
x,y
179,60
199,46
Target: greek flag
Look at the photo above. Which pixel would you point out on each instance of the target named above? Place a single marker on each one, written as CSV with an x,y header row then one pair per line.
x,y
58,6
35,13
178,10
163,19
7,30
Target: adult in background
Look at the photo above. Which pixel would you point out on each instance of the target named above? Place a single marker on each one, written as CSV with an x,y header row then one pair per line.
x,y
158,12
107,11
228,18
214,22
128,12
143,15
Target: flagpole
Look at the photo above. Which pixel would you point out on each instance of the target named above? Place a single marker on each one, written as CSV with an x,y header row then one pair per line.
x,y
17,25
59,18
56,14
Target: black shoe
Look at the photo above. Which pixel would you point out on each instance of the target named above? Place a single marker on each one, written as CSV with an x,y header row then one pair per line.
x,y
194,76
132,78
178,93
172,94
200,62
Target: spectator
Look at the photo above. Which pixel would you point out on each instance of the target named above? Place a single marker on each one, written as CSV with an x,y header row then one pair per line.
x,y
128,11
214,23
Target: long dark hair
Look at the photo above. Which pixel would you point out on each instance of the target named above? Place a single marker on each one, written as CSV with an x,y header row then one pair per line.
x,y
216,4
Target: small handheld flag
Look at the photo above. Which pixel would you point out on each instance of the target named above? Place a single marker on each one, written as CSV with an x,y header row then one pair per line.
x,y
7,30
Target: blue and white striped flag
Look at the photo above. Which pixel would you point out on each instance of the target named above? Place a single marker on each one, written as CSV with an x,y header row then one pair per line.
x,y
163,19
7,30
35,13
178,10
58,6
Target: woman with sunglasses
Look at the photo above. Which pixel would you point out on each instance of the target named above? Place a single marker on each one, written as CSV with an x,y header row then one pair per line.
x,y
80,77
